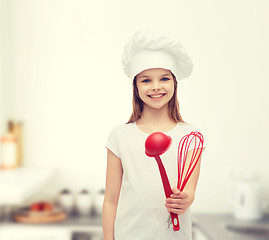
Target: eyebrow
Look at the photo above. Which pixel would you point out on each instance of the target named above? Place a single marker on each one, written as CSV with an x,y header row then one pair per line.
x,y
167,74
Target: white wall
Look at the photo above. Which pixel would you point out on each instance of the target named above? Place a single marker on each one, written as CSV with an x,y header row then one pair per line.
x,y
63,78
1,66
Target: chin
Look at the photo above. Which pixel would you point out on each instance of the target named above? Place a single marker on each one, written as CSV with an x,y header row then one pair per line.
x,y
157,107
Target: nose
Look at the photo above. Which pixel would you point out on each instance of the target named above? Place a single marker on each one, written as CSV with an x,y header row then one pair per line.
x,y
156,86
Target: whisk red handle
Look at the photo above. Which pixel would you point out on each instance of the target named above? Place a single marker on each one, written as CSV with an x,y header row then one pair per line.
x,y
167,190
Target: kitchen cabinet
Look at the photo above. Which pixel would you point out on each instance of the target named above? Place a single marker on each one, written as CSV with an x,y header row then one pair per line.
x,y
226,227
33,233
73,228
19,184
197,234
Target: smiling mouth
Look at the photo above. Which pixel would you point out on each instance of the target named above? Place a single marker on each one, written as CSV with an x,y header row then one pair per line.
x,y
157,95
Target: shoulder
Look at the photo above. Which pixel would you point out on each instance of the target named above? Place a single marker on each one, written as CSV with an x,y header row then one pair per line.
x,y
122,128
120,134
189,127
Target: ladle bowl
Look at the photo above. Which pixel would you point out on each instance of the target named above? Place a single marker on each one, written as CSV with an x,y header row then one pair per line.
x,y
157,143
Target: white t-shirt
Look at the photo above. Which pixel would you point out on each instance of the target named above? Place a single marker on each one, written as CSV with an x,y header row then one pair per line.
x,y
141,212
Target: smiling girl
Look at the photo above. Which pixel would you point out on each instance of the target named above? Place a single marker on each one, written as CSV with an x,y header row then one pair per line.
x,y
135,207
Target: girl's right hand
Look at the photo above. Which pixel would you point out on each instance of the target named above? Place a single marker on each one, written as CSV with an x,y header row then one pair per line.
x,y
178,202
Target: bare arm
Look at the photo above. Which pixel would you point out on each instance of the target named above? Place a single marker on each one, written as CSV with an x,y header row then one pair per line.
x,y
113,185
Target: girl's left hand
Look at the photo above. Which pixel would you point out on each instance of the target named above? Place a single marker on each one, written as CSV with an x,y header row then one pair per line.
x,y
178,202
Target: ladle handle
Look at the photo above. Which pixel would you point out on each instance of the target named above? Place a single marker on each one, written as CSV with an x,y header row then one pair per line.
x,y
167,190
175,221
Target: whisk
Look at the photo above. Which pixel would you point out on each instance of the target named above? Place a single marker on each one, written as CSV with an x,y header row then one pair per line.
x,y
158,143
183,149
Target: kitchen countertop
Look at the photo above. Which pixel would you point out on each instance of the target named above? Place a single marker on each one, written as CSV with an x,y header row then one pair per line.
x,y
214,227
73,223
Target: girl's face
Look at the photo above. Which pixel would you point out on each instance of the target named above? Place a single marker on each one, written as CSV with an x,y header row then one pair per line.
x,y
155,87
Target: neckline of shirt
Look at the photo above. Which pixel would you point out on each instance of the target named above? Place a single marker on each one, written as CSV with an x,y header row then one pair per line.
x,y
147,134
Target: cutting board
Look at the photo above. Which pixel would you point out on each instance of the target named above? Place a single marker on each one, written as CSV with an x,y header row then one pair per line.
x,y
27,216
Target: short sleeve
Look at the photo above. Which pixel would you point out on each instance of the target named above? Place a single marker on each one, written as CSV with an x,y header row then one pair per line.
x,y
196,142
113,142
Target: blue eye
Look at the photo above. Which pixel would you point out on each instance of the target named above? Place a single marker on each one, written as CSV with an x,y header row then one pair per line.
x,y
145,81
165,79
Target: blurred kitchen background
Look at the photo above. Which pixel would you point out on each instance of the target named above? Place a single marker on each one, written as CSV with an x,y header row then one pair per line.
x,y
62,80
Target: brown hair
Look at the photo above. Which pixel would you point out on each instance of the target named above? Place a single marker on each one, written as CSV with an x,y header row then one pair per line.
x,y
173,105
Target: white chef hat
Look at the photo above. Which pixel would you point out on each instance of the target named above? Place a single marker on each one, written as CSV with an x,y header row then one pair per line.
x,y
148,49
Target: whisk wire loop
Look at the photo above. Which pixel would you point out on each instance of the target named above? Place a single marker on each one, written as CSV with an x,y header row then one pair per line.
x,y
183,150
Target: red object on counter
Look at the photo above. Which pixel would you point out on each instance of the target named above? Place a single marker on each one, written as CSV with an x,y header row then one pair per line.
x,y
41,206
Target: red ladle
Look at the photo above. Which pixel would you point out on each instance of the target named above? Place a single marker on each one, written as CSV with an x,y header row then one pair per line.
x,y
156,144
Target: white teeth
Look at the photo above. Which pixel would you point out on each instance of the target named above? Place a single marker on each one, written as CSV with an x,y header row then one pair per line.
x,y
156,96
